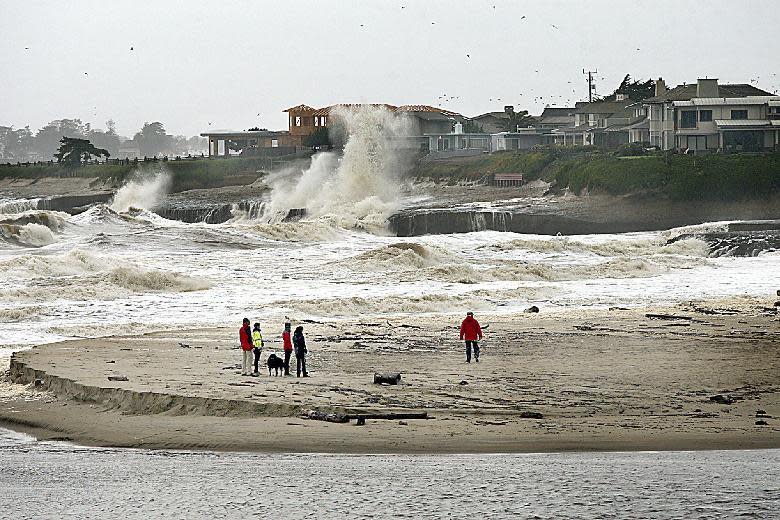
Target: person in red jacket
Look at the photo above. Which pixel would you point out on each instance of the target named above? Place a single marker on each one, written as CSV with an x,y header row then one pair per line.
x,y
470,331
288,347
245,335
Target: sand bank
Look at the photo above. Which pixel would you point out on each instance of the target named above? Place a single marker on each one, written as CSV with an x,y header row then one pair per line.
x,y
602,380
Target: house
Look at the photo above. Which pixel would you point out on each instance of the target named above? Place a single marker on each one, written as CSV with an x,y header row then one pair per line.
x,y
555,117
250,142
304,120
663,121
523,139
730,124
600,123
491,122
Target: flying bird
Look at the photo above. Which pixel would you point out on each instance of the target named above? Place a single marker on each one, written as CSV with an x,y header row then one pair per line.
x,y
522,17
468,55
131,48
554,26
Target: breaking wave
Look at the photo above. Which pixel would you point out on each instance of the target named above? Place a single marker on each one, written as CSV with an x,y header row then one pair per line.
x,y
33,235
144,192
689,247
79,275
358,190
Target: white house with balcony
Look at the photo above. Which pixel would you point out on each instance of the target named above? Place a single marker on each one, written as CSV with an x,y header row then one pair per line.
x,y
664,118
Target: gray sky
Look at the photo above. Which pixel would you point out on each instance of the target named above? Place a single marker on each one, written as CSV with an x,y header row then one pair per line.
x,y
239,64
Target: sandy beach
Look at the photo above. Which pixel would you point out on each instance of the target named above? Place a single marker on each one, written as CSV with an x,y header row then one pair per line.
x,y
613,379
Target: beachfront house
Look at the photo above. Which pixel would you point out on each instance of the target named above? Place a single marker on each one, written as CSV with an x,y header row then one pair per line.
x,y
601,123
664,117
737,124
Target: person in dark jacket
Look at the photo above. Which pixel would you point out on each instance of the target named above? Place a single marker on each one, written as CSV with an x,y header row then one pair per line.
x,y
299,342
471,332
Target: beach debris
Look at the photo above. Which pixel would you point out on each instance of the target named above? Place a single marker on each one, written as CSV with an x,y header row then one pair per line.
x,y
361,418
761,422
532,309
361,421
403,423
183,345
391,378
618,308
463,383
760,412
667,317
721,399
118,378
531,415
38,382
110,361
491,423
316,415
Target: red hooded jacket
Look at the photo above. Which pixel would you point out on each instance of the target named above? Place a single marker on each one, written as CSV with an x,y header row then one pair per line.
x,y
470,330
286,341
245,334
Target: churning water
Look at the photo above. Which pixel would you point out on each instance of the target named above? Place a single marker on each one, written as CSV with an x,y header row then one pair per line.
x,y
58,480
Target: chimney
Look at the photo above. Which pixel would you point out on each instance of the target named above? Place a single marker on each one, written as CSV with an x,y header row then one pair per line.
x,y
660,87
707,88
621,97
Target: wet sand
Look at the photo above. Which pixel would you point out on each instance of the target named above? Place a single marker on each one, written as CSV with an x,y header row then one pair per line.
x,y
602,380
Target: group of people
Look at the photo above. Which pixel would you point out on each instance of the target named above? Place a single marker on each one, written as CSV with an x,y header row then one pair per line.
x,y
252,343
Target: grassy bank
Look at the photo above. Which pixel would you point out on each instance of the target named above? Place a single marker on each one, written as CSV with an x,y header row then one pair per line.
x,y
683,177
187,174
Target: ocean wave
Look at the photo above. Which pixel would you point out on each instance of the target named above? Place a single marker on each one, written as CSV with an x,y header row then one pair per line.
x,y
79,275
647,247
404,255
302,231
25,313
31,235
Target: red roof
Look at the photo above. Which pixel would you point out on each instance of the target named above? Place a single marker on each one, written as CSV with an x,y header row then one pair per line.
x,y
299,108
355,106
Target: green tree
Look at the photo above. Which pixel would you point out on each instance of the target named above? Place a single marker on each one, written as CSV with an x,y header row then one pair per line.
x,y
470,127
152,139
73,151
320,137
516,119
634,90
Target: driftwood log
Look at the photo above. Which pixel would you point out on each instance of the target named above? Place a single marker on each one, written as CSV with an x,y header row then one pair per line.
x,y
327,417
387,379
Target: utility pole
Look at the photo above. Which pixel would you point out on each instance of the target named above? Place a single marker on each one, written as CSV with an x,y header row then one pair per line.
x,y
591,86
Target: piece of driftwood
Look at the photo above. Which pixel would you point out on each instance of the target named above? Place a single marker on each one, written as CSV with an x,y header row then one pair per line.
x,y
531,415
316,415
667,317
117,378
390,378
389,416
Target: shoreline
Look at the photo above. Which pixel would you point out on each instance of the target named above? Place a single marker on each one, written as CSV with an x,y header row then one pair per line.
x,y
602,381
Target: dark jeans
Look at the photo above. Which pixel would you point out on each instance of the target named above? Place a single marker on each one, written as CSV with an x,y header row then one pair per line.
x,y
469,344
301,365
257,357
287,362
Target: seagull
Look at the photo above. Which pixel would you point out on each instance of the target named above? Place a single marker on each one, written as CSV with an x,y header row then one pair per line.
x,y
131,48
27,48
522,17
468,55
555,26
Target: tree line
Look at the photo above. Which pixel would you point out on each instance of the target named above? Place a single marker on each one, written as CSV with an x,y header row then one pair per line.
x,y
23,144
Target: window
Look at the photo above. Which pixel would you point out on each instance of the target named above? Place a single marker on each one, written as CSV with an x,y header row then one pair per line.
x,y
688,119
705,115
274,143
739,114
316,121
324,121
297,120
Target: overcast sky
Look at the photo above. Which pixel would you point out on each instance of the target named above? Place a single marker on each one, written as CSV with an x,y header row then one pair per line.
x,y
205,65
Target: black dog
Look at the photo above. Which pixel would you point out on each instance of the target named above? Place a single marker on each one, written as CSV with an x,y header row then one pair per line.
x,y
275,363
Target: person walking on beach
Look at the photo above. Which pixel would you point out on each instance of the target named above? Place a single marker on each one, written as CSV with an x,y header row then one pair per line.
x,y
299,342
470,331
245,335
288,346
257,342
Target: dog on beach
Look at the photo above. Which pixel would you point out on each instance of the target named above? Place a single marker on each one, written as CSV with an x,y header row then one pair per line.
x,y
275,363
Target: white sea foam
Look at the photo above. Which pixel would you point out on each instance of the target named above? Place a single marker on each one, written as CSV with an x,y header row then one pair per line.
x,y
143,192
